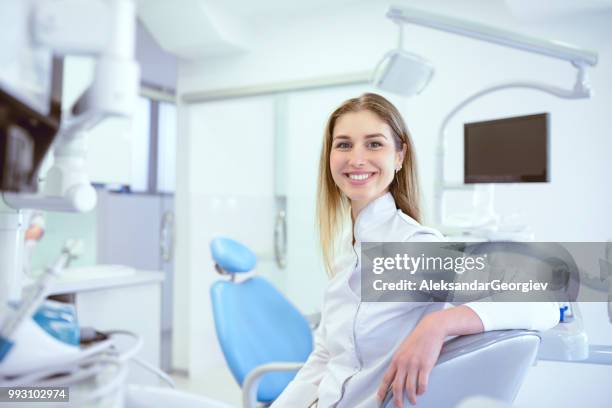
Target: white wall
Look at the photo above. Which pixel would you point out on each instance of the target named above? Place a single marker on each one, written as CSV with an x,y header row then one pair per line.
x,y
229,192
574,206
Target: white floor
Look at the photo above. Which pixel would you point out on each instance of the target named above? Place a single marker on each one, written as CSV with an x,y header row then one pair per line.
x,y
220,385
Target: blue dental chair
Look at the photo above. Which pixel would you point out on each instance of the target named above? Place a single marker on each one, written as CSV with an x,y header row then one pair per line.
x,y
265,340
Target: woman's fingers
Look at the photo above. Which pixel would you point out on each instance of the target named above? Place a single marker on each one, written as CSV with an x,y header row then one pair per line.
x,y
386,382
399,382
423,380
413,378
411,383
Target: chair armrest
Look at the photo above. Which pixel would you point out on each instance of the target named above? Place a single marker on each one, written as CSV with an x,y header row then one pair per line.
x,y
251,382
458,351
461,345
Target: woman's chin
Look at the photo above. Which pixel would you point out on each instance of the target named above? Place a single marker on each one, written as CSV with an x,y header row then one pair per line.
x,y
360,196
364,196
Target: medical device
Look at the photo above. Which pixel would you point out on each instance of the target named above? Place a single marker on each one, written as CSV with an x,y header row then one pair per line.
x,y
390,76
40,345
40,342
510,150
30,92
35,297
94,372
31,120
37,34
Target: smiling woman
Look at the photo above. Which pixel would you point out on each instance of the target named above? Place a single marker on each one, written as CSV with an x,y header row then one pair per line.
x,y
367,152
367,180
365,157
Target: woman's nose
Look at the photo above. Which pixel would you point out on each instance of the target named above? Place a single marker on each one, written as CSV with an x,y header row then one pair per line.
x,y
357,158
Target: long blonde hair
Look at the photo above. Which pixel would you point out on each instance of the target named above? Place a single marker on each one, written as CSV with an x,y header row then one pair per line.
x,y
333,207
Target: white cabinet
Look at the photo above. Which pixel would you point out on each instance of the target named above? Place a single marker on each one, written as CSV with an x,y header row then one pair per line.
x,y
106,300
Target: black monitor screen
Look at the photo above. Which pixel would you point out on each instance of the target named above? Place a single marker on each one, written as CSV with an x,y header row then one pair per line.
x,y
511,150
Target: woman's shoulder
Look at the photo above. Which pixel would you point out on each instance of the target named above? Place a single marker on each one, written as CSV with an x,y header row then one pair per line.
x,y
414,231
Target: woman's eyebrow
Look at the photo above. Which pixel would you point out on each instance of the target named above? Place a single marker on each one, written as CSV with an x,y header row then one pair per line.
x,y
375,135
366,136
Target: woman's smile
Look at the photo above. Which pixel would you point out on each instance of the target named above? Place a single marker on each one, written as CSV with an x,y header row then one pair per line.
x,y
359,178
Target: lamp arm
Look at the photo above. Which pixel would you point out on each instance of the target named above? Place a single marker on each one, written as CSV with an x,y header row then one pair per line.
x,y
483,32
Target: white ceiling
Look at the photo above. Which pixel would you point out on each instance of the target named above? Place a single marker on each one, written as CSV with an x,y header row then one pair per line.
x,y
201,28
280,8
291,8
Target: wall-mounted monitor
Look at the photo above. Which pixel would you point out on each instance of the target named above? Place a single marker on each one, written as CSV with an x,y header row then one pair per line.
x,y
509,150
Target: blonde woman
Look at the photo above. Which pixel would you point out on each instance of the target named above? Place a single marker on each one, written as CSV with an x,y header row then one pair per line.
x,y
368,192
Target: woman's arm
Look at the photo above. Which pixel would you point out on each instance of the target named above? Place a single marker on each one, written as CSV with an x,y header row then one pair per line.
x,y
418,353
516,315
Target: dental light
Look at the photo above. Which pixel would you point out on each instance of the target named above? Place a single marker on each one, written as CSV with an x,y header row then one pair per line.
x,y
407,74
403,72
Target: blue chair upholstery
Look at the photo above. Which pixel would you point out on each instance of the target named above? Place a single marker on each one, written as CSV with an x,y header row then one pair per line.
x,y
255,323
232,256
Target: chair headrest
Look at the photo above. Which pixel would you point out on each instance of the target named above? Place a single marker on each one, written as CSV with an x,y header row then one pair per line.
x,y
232,256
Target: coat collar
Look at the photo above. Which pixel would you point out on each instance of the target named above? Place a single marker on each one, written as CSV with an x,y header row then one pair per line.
x,y
374,214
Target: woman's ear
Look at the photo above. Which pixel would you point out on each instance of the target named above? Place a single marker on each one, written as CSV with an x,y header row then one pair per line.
x,y
401,155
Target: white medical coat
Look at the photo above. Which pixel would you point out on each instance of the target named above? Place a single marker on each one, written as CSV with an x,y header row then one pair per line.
x,y
355,341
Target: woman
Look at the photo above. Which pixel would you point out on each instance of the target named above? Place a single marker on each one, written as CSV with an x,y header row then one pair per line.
x,y
368,192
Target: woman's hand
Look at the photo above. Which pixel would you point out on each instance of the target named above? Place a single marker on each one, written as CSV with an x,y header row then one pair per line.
x,y
416,356
413,361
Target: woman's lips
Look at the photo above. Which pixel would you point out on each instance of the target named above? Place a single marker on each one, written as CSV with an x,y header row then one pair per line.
x,y
361,178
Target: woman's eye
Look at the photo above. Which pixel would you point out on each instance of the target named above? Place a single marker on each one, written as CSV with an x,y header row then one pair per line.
x,y
343,145
375,144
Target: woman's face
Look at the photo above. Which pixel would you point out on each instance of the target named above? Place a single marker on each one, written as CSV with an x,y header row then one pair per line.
x,y
363,157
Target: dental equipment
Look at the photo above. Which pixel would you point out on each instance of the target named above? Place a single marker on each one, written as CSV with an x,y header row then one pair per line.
x,y
93,373
35,296
402,72
50,30
389,78
40,347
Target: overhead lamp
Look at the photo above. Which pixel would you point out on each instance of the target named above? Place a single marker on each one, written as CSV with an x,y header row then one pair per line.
x,y
408,74
403,72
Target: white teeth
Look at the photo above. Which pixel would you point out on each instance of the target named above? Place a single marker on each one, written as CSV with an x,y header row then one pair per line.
x,y
359,176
